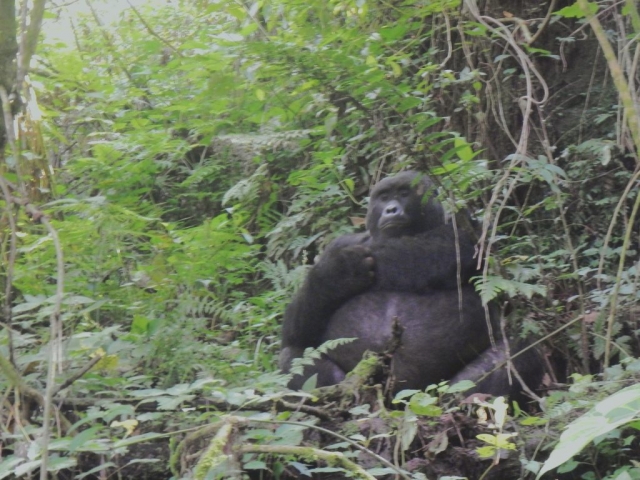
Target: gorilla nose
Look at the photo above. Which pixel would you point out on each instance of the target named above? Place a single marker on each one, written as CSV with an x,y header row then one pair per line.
x,y
393,208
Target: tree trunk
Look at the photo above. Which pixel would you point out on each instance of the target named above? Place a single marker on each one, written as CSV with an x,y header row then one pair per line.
x,y
8,52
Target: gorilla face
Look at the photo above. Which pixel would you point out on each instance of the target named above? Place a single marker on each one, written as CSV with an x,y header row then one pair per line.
x,y
403,205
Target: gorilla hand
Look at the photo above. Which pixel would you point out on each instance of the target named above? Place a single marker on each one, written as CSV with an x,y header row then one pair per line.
x,y
345,270
343,273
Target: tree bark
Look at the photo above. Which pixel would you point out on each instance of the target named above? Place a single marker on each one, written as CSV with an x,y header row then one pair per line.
x,y
8,53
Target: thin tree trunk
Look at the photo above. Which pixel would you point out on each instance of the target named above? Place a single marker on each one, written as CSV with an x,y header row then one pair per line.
x,y
8,52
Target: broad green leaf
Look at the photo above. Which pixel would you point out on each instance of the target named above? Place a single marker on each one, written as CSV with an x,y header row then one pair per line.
x,y
8,464
395,68
463,149
402,394
145,437
461,386
574,11
83,437
424,404
614,411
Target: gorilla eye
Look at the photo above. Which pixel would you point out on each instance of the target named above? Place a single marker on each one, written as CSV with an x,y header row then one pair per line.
x,y
384,196
404,193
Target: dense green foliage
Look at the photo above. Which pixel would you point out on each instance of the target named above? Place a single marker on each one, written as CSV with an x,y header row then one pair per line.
x,y
194,157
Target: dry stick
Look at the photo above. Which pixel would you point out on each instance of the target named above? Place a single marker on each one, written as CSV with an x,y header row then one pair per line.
x,y
456,235
523,384
633,124
503,120
506,346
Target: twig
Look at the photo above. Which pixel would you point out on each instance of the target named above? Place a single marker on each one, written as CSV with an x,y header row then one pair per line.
x,y
614,216
69,381
7,368
152,31
382,460
524,386
449,42
252,16
110,43
278,405
242,421
545,22
332,458
530,346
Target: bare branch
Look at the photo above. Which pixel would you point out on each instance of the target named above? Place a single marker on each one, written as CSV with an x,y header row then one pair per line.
x,y
152,31
69,381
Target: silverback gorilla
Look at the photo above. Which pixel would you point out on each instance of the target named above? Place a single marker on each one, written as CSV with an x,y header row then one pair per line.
x,y
403,269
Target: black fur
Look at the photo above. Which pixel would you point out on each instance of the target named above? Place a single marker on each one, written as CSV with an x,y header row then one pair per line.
x,y
404,268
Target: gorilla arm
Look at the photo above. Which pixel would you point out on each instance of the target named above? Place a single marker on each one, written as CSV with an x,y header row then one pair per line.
x,y
344,270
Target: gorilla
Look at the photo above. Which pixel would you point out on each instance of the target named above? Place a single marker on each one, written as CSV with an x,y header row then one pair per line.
x,y
412,268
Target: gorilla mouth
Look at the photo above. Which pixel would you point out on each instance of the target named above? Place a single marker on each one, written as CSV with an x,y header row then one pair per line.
x,y
393,224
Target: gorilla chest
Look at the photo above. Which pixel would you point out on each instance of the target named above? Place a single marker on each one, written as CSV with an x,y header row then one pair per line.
x,y
438,333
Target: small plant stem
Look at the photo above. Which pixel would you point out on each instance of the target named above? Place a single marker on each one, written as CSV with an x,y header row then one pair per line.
x,y
616,73
616,288
635,17
332,458
633,123
55,339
